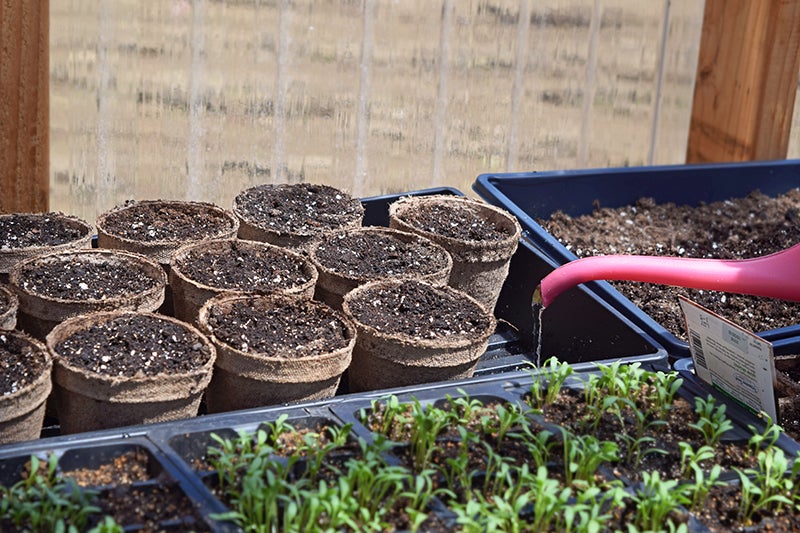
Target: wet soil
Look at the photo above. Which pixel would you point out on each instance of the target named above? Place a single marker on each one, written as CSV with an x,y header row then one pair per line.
x,y
19,366
739,228
240,267
454,220
418,310
787,369
371,255
132,345
302,208
157,221
47,229
284,328
81,277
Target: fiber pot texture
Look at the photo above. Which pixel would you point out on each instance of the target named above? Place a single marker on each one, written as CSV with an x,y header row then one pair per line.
x,y
481,238
24,235
24,386
8,308
54,287
200,271
157,228
274,349
410,332
292,215
122,368
348,258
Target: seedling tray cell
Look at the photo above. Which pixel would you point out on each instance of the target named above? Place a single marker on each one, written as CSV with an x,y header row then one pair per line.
x,y
537,195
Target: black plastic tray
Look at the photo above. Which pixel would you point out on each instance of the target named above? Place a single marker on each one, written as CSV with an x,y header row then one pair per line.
x,y
537,195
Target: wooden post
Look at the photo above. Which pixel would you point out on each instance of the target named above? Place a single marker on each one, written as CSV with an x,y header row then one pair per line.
x,y
746,83
24,105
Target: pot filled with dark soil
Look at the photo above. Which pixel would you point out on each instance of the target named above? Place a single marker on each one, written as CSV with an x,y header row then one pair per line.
x,y
200,271
123,368
292,215
481,239
24,235
25,383
54,287
348,258
274,349
410,332
8,308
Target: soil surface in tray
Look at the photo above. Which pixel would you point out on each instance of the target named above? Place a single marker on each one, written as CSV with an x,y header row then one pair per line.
x,y
244,268
418,310
733,229
5,302
155,221
299,328
135,344
455,221
26,230
18,366
72,278
300,208
371,256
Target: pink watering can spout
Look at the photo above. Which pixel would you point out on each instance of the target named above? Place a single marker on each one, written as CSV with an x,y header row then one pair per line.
x,y
774,276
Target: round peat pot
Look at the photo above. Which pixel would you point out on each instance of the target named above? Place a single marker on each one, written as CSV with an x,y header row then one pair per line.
x,y
54,287
481,238
274,349
292,215
410,332
25,384
24,235
123,368
200,271
348,258
9,303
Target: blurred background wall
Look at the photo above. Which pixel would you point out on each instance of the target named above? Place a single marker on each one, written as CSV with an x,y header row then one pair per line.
x,y
199,99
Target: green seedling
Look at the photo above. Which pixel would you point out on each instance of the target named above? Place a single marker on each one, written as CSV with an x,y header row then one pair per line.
x,y
655,501
691,457
767,487
702,484
765,439
583,455
712,422
548,382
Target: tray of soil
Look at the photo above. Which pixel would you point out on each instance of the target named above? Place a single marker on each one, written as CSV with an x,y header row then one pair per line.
x,y
480,238
54,287
348,258
9,303
292,215
274,349
411,332
119,483
122,368
616,448
23,235
25,384
200,271
726,211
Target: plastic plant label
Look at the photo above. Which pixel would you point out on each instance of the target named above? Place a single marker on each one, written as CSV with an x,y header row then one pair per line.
x,y
731,359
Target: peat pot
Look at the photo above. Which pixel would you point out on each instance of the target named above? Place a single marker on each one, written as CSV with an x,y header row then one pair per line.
x,y
24,386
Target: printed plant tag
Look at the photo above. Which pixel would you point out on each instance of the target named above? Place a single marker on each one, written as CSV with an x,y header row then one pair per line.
x,y
730,358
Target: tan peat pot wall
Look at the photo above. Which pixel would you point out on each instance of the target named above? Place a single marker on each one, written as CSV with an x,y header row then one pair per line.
x,y
22,411
9,304
40,313
480,266
88,400
189,294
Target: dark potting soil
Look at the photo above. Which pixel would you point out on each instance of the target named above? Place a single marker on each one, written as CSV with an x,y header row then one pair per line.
x,y
370,255
128,467
5,302
302,208
284,328
135,344
738,228
241,267
82,277
48,229
19,366
454,220
418,310
157,221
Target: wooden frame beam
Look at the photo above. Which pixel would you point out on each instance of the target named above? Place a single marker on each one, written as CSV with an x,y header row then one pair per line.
x,y
24,106
747,76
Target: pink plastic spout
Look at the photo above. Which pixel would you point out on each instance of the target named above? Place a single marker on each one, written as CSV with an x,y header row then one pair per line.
x,y
774,276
